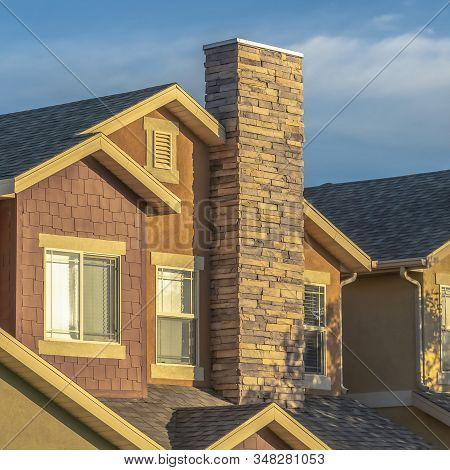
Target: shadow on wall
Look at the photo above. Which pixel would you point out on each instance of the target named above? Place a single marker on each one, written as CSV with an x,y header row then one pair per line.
x,y
432,336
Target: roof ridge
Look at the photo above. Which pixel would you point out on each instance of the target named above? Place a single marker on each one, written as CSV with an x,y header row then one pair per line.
x,y
98,98
377,179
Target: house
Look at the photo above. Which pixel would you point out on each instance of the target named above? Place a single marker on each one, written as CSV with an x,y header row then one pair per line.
x,y
164,285
396,317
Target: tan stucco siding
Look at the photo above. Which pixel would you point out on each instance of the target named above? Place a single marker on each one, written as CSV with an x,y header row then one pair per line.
x,y
379,329
432,430
432,323
186,233
319,260
24,424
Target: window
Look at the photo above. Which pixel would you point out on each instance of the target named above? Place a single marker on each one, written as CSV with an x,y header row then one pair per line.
x,y
176,313
445,328
315,335
81,296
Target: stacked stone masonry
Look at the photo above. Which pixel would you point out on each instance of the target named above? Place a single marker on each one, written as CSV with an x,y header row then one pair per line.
x,y
256,190
79,201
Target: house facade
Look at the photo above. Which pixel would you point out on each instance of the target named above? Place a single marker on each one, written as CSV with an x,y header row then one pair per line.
x,y
396,316
162,273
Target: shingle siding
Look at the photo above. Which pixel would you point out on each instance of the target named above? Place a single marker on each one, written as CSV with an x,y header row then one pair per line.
x,y
80,201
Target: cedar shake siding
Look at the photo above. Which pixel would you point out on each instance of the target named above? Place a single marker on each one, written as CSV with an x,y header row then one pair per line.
x,y
83,200
262,440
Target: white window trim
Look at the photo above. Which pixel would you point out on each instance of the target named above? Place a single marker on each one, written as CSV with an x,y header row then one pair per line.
x,y
323,330
188,316
119,297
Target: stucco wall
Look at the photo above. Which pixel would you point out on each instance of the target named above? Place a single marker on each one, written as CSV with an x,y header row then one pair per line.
x,y
84,201
432,323
379,329
262,440
186,233
318,259
24,424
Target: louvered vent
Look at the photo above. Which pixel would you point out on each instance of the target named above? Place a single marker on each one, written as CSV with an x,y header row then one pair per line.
x,y
162,150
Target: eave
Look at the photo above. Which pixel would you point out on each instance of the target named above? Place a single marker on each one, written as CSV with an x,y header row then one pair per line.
x,y
334,241
71,397
112,157
180,104
281,423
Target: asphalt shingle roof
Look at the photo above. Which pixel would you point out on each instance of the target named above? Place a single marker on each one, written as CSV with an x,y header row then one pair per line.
x,y
439,399
189,418
344,423
28,138
390,218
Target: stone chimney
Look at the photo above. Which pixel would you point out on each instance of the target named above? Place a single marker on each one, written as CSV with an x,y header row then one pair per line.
x,y
257,263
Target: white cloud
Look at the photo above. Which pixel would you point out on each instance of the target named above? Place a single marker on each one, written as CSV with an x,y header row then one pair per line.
x,y
385,22
407,103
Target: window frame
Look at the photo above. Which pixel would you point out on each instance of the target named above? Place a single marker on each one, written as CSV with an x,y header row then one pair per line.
x,y
81,254
443,325
321,329
188,316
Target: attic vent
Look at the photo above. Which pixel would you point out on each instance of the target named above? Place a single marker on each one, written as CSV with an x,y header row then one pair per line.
x,y
162,150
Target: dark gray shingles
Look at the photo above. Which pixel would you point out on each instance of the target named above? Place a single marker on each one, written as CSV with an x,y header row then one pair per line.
x,y
28,138
190,418
439,399
344,423
198,428
153,415
391,218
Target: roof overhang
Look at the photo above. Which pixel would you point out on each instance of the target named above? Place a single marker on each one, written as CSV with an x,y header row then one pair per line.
x,y
71,397
431,408
281,423
334,241
419,263
118,162
180,104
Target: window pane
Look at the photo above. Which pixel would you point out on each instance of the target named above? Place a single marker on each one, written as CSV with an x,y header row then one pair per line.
x,y
174,291
445,350
176,340
314,352
100,322
314,305
62,294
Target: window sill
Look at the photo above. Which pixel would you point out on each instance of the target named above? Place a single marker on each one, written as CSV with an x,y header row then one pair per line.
x,y
82,349
177,372
444,378
317,382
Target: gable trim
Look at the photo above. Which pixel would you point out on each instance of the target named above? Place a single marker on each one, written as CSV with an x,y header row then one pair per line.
x,y
70,396
179,103
113,158
280,423
355,258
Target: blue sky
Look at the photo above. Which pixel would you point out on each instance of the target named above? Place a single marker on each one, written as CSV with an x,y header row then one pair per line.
x,y
399,125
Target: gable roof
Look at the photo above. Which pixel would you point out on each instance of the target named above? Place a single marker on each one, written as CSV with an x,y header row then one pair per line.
x,y
344,423
391,218
186,417
334,241
29,138
69,396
